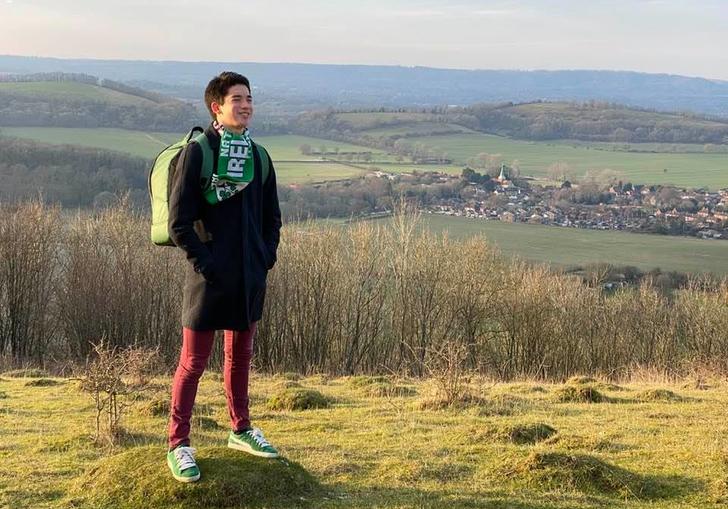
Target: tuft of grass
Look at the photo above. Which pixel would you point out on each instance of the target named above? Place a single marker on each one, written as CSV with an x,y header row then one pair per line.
x,y
365,380
26,373
43,382
159,407
522,434
205,423
659,395
65,443
229,479
3,395
503,404
214,375
525,389
587,443
288,375
465,400
318,379
298,399
408,472
587,474
386,389
605,386
579,394
286,384
581,380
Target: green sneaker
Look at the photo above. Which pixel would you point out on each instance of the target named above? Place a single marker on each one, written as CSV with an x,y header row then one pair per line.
x,y
181,462
253,442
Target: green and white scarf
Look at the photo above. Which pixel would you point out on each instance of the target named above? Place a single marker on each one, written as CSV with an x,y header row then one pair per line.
x,y
235,167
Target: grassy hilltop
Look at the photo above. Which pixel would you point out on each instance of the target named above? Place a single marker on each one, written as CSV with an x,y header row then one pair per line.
x,y
379,442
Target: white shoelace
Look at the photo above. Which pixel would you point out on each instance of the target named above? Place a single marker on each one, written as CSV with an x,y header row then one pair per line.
x,y
185,457
257,435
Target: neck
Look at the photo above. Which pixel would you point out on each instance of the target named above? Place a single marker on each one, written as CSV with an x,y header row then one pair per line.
x,y
232,129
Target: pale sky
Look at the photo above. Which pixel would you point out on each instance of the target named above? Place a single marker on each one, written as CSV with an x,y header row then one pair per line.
x,y
666,36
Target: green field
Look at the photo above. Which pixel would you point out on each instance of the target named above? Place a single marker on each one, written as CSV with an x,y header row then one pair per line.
x,y
650,445
422,128
290,173
684,169
534,158
71,91
148,144
571,246
137,143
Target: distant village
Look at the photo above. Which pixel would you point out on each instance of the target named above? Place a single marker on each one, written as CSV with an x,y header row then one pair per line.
x,y
637,208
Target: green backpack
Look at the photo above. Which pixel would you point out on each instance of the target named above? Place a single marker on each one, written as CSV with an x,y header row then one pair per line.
x,y
162,171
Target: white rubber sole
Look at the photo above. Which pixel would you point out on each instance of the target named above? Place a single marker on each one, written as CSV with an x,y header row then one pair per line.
x,y
249,450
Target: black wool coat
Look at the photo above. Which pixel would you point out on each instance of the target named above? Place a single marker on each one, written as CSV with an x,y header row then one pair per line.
x,y
230,246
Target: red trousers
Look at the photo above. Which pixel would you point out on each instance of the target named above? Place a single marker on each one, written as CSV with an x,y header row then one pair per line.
x,y
196,349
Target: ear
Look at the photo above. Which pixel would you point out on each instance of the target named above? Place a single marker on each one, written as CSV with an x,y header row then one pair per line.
x,y
215,107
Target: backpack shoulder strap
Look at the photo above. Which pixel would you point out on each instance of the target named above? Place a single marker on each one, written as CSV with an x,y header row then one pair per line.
x,y
207,159
264,161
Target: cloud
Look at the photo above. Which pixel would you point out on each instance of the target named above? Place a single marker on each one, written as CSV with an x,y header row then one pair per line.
x,y
416,13
497,13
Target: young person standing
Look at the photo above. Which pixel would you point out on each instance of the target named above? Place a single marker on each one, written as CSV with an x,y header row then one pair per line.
x,y
229,230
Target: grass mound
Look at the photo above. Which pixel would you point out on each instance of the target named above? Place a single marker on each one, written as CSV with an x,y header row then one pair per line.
x,y
43,382
579,394
525,389
286,384
289,375
606,386
581,380
586,474
658,395
159,407
319,379
608,444
298,399
365,381
208,423
26,373
390,390
522,433
229,479
465,400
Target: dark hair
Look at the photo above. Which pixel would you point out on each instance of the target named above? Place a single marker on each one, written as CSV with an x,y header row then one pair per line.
x,y
218,88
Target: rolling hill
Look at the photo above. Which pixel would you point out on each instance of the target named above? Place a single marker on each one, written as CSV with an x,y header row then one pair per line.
x,y
61,100
305,86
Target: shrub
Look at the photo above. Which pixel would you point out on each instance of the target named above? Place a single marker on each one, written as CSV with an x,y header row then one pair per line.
x,y
522,433
298,399
658,395
579,394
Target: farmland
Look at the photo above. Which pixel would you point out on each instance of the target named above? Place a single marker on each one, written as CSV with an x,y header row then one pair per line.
x,y
570,246
534,158
697,169
72,92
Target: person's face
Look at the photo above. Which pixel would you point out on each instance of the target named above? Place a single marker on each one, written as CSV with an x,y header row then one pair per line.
x,y
236,109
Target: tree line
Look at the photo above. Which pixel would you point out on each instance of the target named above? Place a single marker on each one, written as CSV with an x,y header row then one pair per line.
x,y
365,298
69,175
589,121
153,112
